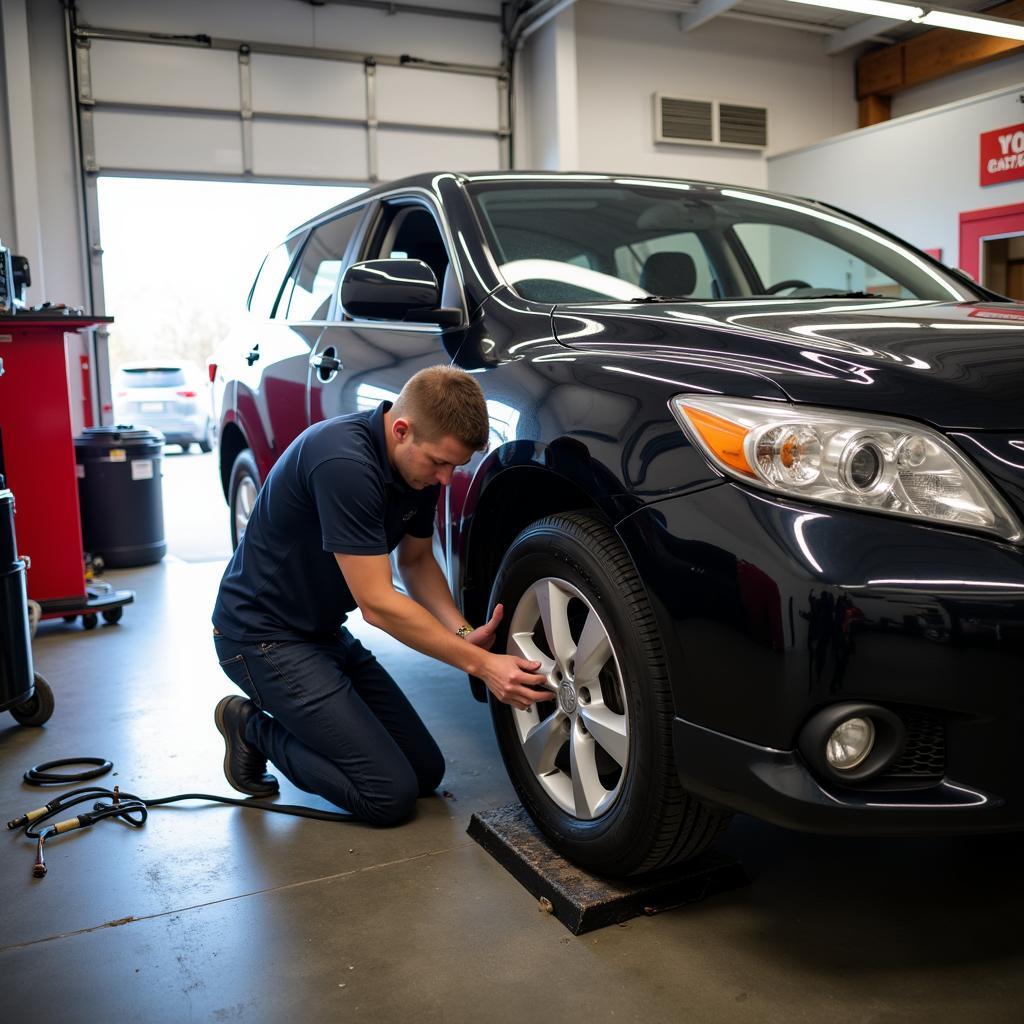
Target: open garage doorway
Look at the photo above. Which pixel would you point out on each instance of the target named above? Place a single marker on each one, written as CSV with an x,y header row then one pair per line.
x,y
179,258
992,248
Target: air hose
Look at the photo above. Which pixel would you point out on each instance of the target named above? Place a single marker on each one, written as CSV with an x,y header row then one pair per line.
x,y
132,810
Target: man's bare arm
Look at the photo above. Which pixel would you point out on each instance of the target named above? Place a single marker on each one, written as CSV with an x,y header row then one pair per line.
x,y
425,581
511,679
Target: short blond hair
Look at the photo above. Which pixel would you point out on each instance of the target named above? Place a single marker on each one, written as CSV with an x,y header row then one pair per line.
x,y
442,401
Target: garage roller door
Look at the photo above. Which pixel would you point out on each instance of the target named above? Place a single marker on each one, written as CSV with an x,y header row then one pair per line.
x,y
224,108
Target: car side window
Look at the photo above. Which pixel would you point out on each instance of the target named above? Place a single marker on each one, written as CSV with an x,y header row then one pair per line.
x,y
267,285
314,276
409,231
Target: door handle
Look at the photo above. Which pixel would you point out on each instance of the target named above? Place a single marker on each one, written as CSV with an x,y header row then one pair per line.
x,y
327,364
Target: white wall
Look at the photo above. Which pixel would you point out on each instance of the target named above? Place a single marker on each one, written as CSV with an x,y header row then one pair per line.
x,y
39,213
59,210
547,99
6,198
625,55
914,175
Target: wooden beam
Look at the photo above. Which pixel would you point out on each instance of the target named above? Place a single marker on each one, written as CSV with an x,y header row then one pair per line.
x,y
934,54
873,110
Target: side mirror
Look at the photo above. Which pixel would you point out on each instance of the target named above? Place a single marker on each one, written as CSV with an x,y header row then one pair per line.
x,y
392,290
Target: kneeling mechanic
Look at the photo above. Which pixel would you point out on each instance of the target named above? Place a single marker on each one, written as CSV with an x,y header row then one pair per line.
x,y
344,494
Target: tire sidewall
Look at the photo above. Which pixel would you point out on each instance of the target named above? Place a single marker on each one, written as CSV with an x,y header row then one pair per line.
x,y
548,550
243,466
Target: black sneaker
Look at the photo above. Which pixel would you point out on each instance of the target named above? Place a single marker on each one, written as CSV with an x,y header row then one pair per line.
x,y
245,767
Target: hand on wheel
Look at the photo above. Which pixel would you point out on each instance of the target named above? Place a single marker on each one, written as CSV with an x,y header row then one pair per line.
x,y
514,681
483,636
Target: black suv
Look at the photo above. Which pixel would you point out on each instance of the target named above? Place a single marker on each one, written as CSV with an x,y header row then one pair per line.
x,y
753,497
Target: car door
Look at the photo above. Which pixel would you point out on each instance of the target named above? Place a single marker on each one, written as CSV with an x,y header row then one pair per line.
x,y
358,363
299,318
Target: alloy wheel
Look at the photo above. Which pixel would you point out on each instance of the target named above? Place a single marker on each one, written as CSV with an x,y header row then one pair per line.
x,y
578,744
245,498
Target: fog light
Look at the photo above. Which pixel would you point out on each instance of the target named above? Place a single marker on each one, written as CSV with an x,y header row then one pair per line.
x,y
850,743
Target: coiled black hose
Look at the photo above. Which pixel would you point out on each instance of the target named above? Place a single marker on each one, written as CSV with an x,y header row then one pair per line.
x,y
129,808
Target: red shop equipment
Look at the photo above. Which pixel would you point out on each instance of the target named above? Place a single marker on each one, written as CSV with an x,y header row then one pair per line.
x,y
37,456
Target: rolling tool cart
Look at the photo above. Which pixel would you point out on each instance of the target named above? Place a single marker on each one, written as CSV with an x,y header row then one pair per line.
x,y
23,692
37,456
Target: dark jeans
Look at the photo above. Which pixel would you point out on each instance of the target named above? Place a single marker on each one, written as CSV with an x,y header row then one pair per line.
x,y
341,727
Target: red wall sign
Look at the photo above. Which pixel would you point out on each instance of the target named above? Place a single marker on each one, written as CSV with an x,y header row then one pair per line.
x,y
1002,155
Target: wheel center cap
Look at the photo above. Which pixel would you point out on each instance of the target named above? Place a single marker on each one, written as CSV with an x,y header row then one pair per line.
x,y
567,699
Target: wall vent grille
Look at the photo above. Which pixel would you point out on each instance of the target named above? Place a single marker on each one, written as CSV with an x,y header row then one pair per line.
x,y
742,126
686,120
694,122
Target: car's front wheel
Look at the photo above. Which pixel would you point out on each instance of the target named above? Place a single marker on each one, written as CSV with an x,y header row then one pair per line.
x,y
243,486
594,767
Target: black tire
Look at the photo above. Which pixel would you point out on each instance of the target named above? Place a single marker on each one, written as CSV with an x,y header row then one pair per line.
x,y
113,615
70,618
244,475
90,621
652,822
207,440
38,708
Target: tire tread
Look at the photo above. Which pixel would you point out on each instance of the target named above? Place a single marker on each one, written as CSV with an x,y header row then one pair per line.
x,y
687,826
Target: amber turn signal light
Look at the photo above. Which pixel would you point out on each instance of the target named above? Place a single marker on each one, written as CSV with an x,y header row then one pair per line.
x,y
723,437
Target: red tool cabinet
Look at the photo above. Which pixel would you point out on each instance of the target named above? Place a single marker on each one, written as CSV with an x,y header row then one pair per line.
x,y
39,456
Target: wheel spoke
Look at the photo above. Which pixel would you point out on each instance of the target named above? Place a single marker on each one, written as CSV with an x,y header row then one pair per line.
x,y
522,644
553,603
543,742
594,649
587,791
608,730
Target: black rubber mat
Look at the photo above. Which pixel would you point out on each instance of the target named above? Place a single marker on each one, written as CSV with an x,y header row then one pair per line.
x,y
581,901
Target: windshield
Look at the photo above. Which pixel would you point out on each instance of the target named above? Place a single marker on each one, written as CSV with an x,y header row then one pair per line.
x,y
152,377
627,240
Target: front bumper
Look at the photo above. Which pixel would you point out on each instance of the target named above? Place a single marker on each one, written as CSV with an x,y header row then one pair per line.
x,y
771,611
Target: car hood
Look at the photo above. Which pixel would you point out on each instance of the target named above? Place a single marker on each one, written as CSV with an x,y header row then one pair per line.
x,y
955,365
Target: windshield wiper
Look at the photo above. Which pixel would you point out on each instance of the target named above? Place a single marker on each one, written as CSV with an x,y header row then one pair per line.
x,y
849,295
662,298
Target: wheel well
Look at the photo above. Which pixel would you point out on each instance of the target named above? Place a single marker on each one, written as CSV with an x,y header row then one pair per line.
x,y
232,441
515,499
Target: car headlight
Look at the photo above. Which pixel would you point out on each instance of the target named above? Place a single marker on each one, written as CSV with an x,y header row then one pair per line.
x,y
845,458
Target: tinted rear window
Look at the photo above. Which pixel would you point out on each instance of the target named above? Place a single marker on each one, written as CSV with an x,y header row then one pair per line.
x,y
153,377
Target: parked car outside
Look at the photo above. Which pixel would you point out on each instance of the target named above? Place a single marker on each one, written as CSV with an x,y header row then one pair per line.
x,y
753,497
173,398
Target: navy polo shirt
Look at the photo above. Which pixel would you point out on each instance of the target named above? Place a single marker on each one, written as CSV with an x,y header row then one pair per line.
x,y
333,490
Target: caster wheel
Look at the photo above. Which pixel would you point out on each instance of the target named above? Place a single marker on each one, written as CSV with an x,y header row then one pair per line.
x,y
89,621
38,708
70,618
113,615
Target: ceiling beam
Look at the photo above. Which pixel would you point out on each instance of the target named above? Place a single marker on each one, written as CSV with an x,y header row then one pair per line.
x,y
703,13
861,32
932,55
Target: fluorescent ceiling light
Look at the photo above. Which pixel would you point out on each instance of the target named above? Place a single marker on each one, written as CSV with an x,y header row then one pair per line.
x,y
972,23
937,17
874,8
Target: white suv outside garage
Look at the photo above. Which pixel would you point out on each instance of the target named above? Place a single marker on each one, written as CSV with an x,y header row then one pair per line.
x,y
173,398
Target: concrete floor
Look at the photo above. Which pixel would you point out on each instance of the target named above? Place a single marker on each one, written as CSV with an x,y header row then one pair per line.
x,y
220,914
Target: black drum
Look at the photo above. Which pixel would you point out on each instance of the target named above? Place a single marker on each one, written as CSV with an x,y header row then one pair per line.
x,y
120,494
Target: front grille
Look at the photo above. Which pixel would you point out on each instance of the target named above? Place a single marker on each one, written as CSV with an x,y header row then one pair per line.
x,y
924,754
